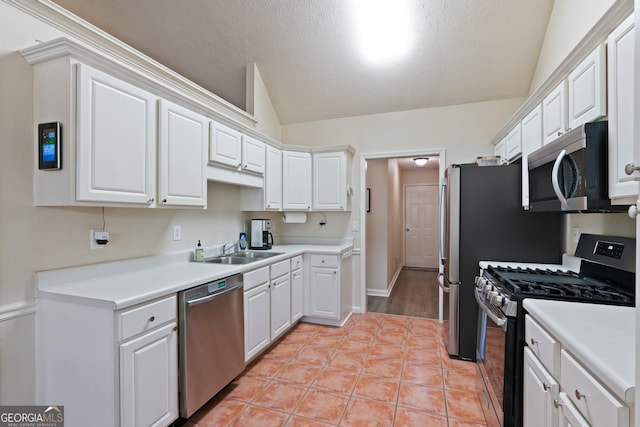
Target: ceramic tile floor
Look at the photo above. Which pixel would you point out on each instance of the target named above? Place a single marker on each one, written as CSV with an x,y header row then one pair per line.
x,y
377,370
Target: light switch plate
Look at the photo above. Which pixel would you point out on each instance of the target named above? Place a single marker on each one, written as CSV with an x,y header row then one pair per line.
x,y
355,226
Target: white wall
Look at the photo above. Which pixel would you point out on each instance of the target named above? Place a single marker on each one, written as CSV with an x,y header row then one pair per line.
x,y
570,21
259,104
394,222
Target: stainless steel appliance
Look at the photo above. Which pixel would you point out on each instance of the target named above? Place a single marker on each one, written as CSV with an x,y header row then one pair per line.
x,y
606,275
482,218
570,174
211,343
261,237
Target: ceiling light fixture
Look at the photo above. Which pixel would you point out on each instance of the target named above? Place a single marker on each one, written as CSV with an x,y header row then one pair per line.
x,y
421,161
384,29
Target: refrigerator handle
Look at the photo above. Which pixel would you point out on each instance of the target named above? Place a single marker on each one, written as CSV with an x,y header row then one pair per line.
x,y
443,215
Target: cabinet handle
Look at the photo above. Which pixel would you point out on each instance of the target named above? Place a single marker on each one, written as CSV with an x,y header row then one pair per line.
x,y
580,395
175,328
556,404
151,200
545,386
245,166
533,342
152,318
559,133
164,200
630,168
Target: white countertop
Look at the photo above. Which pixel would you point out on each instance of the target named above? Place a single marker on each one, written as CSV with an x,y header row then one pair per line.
x,y
121,284
601,337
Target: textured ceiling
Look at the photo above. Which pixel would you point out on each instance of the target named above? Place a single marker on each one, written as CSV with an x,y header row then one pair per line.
x,y
306,50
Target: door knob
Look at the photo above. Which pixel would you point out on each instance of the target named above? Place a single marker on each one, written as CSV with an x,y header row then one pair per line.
x,y
407,230
630,168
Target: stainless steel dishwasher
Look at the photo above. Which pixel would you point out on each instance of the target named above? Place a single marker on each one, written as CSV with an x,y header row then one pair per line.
x,y
211,341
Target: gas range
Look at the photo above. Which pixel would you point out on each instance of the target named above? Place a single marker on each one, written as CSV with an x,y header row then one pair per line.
x,y
602,272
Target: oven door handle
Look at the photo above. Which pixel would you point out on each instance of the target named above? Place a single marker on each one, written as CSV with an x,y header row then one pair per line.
x,y
441,281
554,178
500,320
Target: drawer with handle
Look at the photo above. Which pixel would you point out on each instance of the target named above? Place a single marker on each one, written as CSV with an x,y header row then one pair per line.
x,y
144,317
329,261
544,346
596,404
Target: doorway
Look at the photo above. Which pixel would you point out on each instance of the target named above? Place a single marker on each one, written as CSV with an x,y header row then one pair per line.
x,y
421,226
383,241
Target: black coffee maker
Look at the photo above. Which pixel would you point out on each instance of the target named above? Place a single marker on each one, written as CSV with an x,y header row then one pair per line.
x,y
261,237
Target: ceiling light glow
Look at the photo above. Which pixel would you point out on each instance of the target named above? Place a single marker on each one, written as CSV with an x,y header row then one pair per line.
x,y
384,29
421,161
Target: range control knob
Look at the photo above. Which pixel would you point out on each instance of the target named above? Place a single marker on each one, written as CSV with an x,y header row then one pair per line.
x,y
487,288
492,295
498,300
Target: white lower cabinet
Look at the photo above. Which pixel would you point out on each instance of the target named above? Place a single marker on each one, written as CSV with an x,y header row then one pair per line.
x,y
328,293
148,378
272,304
280,298
115,368
540,391
257,312
560,391
297,289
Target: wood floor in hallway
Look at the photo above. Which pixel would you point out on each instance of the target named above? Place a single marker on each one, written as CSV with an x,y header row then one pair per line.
x,y
414,294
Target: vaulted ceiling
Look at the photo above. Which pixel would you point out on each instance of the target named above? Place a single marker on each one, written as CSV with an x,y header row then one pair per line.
x,y
307,52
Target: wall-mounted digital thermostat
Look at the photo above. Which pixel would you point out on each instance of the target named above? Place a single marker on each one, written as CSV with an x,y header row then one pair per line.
x,y
49,146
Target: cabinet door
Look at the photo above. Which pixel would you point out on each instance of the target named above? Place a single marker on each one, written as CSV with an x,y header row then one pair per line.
x,y
297,295
325,293
554,113
181,156
257,316
568,414
253,155
225,145
540,389
116,146
273,179
280,305
296,180
531,141
330,181
500,149
149,378
513,143
621,113
587,89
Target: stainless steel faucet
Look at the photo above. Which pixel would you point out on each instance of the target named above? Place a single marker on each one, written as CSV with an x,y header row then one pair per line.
x,y
227,246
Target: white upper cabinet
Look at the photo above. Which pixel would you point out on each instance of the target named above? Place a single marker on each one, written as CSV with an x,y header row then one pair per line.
x,y
554,113
253,155
296,180
116,145
182,156
531,140
273,179
225,145
623,189
588,89
330,181
500,149
513,143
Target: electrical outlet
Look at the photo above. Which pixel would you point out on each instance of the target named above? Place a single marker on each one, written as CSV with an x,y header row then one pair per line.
x,y
575,234
94,235
177,232
355,226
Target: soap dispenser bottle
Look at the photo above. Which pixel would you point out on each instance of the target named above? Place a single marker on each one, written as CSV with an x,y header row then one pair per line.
x,y
242,243
199,253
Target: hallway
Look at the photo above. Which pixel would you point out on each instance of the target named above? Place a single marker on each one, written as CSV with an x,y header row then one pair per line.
x,y
415,294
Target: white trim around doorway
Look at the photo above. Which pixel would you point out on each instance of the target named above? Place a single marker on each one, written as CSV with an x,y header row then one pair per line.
x,y
440,152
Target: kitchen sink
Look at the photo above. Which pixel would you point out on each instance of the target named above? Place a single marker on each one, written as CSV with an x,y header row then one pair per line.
x,y
228,260
241,257
255,255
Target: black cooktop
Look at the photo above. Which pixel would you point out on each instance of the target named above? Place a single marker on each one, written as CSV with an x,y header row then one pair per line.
x,y
557,284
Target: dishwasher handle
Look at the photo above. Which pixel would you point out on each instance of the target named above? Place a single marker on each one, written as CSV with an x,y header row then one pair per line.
x,y
209,297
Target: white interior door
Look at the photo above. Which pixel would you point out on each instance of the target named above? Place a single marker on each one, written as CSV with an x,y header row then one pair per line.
x,y
421,226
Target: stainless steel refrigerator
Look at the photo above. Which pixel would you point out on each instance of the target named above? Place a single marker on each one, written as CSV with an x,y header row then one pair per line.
x,y
482,219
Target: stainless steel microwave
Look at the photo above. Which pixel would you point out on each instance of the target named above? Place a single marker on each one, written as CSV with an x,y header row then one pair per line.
x,y
570,173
